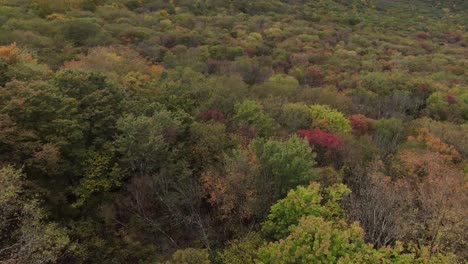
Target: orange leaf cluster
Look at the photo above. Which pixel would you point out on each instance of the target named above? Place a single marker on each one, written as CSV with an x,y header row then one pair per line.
x,y
9,51
156,70
434,143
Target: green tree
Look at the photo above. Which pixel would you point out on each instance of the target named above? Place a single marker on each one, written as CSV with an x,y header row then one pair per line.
x,y
249,114
99,102
449,106
190,256
279,85
282,166
332,120
101,175
296,116
39,127
26,235
312,229
80,30
209,142
316,240
310,200
145,142
223,93
242,251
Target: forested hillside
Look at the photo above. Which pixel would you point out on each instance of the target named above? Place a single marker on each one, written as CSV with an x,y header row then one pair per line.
x,y
233,131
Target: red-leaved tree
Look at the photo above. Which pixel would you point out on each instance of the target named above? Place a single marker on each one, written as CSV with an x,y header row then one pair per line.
x,y
321,139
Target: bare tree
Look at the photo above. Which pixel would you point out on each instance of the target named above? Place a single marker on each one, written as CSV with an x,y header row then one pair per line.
x,y
378,208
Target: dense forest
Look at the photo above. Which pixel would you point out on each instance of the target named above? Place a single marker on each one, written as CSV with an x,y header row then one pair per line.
x,y
233,131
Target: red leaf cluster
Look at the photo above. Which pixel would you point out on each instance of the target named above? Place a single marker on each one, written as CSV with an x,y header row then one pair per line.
x,y
320,138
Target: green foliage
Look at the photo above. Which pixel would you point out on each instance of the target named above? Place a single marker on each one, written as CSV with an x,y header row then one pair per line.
x,y
279,85
224,92
309,230
28,70
382,83
283,165
42,109
437,106
5,75
25,234
79,83
102,175
98,101
98,243
299,202
448,106
314,239
144,128
249,114
39,126
210,141
223,52
80,31
12,184
190,256
45,7
145,141
296,116
330,119
242,251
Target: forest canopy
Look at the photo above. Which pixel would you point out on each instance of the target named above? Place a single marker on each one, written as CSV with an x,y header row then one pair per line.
x,y
229,132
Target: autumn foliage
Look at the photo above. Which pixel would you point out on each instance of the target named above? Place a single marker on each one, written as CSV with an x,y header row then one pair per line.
x,y
360,124
321,139
233,132
427,139
9,51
